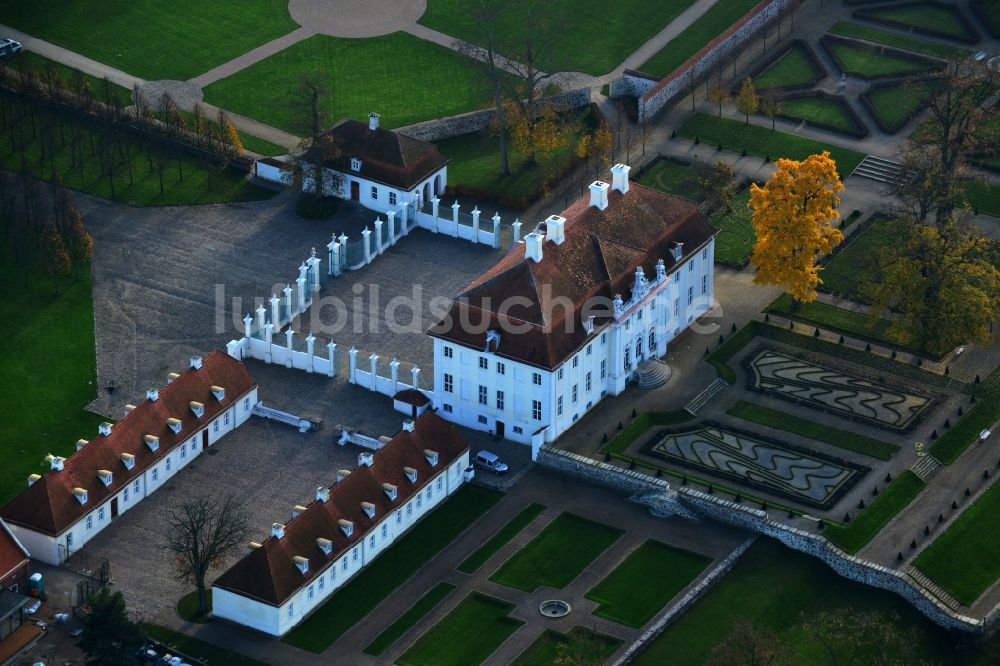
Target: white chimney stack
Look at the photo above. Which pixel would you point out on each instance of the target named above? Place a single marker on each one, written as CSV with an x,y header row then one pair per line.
x,y
373,121
365,458
409,425
104,429
599,195
555,229
277,530
152,394
196,362
56,462
619,177
322,494
533,246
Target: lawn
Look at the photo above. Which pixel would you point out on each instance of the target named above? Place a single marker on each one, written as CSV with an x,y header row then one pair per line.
x,y
49,405
846,273
736,236
989,10
28,60
983,197
923,47
982,415
795,67
626,596
407,620
929,17
670,176
513,527
870,64
764,142
710,25
894,105
777,589
821,111
843,439
892,499
552,647
197,648
153,39
639,425
404,78
962,559
351,603
470,633
558,554
582,39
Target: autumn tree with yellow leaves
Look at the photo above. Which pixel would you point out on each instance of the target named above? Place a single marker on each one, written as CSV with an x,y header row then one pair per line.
x,y
793,216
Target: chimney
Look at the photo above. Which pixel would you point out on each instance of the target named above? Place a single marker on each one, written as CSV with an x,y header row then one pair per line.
x,y
390,491
277,530
219,393
32,478
342,474
172,376
196,362
301,563
152,441
619,177
368,508
174,424
80,443
152,394
197,408
409,425
105,476
533,246
104,429
373,121
599,195
432,457
346,526
366,458
322,494
56,462
298,510
555,229
677,250
411,474
325,545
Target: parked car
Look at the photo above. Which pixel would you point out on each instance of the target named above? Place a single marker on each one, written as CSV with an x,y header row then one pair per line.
x,y
9,47
491,461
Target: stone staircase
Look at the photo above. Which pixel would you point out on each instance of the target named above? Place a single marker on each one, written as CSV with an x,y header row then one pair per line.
x,y
929,585
702,398
652,373
879,168
925,466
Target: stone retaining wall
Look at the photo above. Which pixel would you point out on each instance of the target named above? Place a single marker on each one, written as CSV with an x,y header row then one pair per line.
x,y
443,128
600,473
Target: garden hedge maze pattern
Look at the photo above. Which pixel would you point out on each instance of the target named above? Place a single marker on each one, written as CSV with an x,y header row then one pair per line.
x,y
752,459
834,390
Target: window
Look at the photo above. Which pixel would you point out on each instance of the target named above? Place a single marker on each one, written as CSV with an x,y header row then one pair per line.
x,y
135,486
536,378
704,254
604,338
90,522
374,193
500,400
322,580
690,295
518,430
420,501
371,541
483,420
690,265
628,322
604,369
355,164
652,341
536,410
500,368
215,426
590,348
576,361
638,315
638,347
183,453
392,198
628,358
156,473
559,375
125,495
482,394
399,517
225,419
354,555
449,383
100,514
343,564
246,404
310,592
291,611
559,404
439,482
69,539
430,492
409,509
448,408
168,463
677,307
448,352
587,385
194,445
704,283
385,531
484,363
574,392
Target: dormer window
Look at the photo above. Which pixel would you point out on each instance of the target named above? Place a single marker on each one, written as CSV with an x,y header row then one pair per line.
x,y
431,456
197,408
368,508
325,545
411,474
174,424
346,526
128,460
301,563
219,393
80,494
390,491
355,164
153,442
105,476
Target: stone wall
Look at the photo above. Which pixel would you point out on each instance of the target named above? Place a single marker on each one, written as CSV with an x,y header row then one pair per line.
x,y
633,84
443,128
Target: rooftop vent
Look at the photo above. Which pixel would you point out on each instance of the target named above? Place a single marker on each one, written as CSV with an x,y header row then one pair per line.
x,y
219,393
322,494
432,457
128,460
196,362
80,494
411,474
80,443
152,441
174,424
32,478
104,429
172,376
301,563
366,458
368,508
197,408
152,394
325,545
105,476
346,526
373,121
390,491
277,530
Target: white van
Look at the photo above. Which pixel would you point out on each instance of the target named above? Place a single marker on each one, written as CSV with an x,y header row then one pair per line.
x,y
9,47
491,462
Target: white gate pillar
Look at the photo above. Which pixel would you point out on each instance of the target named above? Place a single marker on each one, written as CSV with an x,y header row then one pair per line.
x,y
288,301
247,325
496,230
367,236
373,360
310,347
515,231
378,235
352,357
288,339
435,209
275,309
454,217
475,224
415,377
261,319
331,353
314,264
391,215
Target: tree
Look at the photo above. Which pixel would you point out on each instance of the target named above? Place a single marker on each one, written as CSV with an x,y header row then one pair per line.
x,y
792,218
852,636
109,637
55,256
718,92
581,648
536,136
748,645
201,535
717,184
318,146
79,242
770,106
747,101
942,282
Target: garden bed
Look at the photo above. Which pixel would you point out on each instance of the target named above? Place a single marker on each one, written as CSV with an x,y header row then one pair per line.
x,y
893,105
852,537
824,111
795,68
872,62
936,19
905,42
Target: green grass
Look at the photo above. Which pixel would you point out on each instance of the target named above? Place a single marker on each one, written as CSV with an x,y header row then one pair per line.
x,y
640,425
402,77
793,68
894,105
558,554
187,607
857,262
736,236
870,64
351,603
983,197
626,596
867,33
50,406
719,359
981,416
850,441
670,176
470,633
407,620
513,527
199,649
926,16
763,142
710,25
820,110
962,559
28,60
153,39
582,39
778,589
895,497
552,646
990,11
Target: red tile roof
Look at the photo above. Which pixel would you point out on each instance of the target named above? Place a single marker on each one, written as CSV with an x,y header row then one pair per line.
x,y
12,553
386,156
49,506
268,573
597,259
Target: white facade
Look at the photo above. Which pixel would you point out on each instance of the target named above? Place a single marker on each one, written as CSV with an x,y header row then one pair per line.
x,y
534,405
379,196
279,620
55,549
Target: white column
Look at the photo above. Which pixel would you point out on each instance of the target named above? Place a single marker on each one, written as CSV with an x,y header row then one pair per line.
x,y
331,255
475,224
314,264
352,357
515,231
343,252
378,235
288,340
405,222
367,236
300,289
435,209
391,215
454,217
331,353
275,309
496,229
269,339
373,361
288,301
335,258
261,314
415,377
394,370
310,347
247,325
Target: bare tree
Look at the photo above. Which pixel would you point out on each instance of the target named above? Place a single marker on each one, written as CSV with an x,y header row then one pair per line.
x,y
318,146
748,645
202,534
852,636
